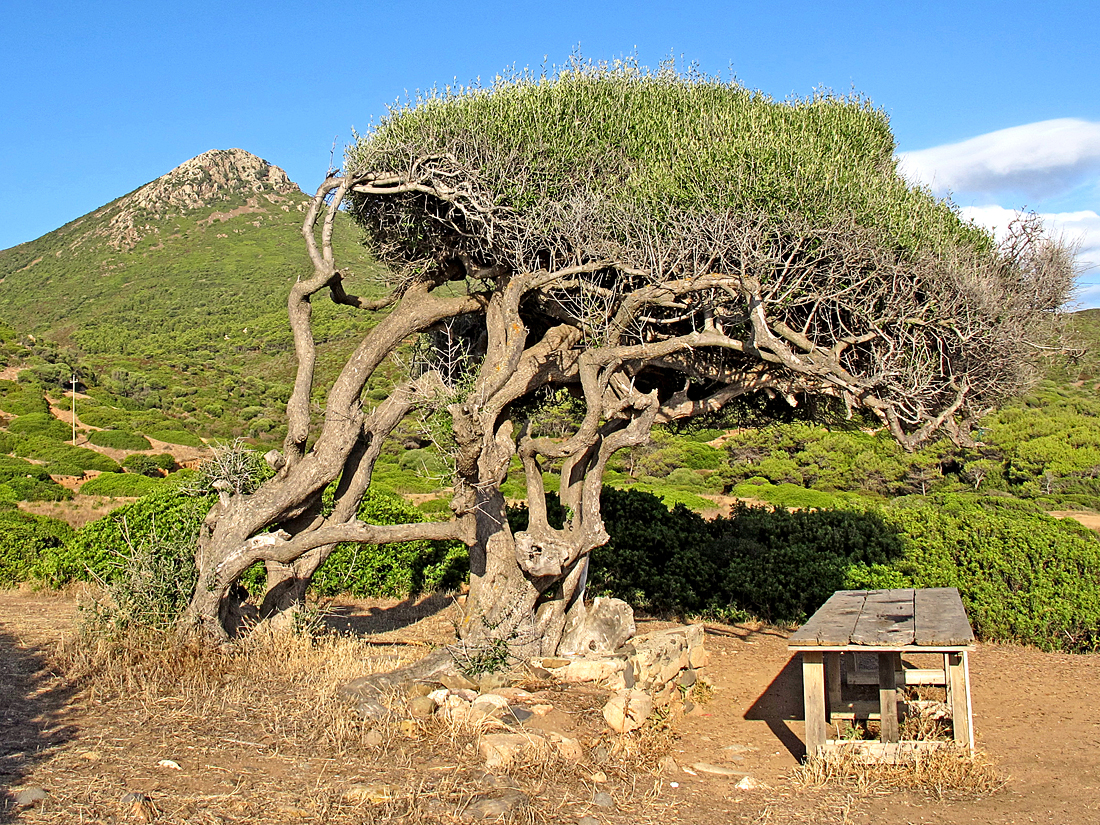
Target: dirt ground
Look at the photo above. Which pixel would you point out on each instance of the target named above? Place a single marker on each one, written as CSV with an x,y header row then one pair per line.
x,y
1035,714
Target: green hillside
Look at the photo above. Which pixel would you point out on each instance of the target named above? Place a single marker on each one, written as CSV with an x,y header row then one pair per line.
x,y
174,295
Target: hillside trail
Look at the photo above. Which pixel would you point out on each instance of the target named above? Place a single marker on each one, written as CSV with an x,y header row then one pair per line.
x,y
1036,717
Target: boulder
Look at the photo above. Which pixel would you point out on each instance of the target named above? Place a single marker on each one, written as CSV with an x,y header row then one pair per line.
x,y
602,628
627,710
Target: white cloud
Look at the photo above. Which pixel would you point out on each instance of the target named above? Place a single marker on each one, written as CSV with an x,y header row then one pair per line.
x,y
1038,159
1081,228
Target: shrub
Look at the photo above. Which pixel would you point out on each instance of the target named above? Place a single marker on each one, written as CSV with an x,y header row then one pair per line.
x,y
42,424
1024,576
398,569
64,459
142,464
181,437
23,538
119,440
24,402
120,485
97,549
30,482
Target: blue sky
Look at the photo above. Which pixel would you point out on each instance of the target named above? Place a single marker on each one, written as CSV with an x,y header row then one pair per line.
x,y
995,102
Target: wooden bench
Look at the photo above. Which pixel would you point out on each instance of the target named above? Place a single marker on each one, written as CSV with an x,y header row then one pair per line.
x,y
887,623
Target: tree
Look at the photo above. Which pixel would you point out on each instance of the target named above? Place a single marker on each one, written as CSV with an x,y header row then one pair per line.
x,y
656,243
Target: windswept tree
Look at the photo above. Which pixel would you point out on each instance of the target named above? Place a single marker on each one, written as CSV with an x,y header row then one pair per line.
x,y
657,244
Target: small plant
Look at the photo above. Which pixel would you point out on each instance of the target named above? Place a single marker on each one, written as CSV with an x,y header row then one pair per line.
x,y
157,577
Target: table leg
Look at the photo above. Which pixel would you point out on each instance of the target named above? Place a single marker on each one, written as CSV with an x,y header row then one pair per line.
x,y
958,697
888,695
832,683
813,698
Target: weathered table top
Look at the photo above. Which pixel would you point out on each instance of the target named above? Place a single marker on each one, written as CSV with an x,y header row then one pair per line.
x,y
913,618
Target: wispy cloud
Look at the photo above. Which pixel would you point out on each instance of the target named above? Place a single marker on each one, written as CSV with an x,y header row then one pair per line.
x,y
1038,160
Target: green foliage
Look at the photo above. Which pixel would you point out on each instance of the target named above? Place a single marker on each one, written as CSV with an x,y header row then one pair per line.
x,y
398,569
18,401
41,424
23,539
23,481
775,564
152,585
98,548
1024,576
142,464
120,485
180,437
119,440
659,144
64,459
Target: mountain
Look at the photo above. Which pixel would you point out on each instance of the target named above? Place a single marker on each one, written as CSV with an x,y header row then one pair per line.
x,y
174,295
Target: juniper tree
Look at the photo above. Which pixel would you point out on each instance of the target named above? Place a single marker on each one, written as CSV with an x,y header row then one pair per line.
x,y
658,244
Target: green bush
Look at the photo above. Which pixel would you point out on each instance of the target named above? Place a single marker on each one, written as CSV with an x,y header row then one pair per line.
x,y
117,485
398,569
119,440
1024,576
23,539
64,459
142,464
181,437
29,482
24,402
42,424
98,549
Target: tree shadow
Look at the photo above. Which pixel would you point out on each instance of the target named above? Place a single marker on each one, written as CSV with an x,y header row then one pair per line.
x,y
373,620
33,723
780,703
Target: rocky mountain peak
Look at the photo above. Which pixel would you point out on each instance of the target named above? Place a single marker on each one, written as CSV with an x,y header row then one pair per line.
x,y
215,178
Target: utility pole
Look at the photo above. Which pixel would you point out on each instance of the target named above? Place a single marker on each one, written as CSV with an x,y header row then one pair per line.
x,y
73,380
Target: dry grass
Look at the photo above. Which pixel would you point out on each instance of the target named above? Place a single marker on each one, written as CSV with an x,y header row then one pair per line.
x,y
947,772
263,736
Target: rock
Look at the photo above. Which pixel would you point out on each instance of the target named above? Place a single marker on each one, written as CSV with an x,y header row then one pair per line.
x,y
658,657
372,710
602,628
716,770
749,783
480,711
591,670
456,681
490,681
171,764
568,749
29,797
373,739
627,710
516,716
687,677
422,707
736,748
599,777
699,656
421,689
512,694
603,800
541,709
407,727
439,696
497,807
91,756
500,750
552,662
668,765
493,699
375,793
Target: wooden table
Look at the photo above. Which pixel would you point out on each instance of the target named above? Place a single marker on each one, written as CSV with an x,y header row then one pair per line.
x,y
887,623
